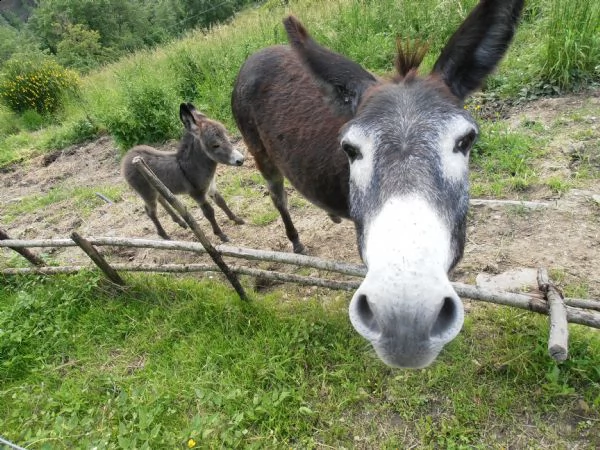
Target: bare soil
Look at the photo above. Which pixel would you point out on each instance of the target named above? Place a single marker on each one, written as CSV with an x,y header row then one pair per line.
x,y
564,237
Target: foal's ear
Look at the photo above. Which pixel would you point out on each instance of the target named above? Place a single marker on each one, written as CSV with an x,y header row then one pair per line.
x,y
186,114
195,112
343,80
478,45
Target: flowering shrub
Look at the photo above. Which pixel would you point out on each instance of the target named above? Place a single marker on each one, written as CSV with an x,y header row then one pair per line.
x,y
36,85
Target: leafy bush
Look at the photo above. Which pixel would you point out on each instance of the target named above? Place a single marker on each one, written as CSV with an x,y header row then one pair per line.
x,y
149,114
70,134
32,120
36,85
81,49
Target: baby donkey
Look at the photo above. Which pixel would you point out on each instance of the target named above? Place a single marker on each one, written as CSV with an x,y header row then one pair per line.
x,y
190,169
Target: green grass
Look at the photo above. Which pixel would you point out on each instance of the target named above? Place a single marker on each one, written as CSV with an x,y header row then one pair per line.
x,y
83,364
503,161
84,199
571,53
136,98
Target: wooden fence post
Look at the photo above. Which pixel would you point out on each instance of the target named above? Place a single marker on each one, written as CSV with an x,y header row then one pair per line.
x,y
141,165
558,341
98,259
25,253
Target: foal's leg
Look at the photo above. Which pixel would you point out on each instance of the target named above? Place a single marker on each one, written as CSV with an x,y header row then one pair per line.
x,y
220,201
209,213
150,208
178,220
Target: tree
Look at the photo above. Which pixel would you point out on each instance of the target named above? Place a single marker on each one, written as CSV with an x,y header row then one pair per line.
x,y
80,48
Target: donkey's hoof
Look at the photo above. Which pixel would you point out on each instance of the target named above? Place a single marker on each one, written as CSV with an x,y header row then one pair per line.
x,y
299,248
182,225
239,221
335,219
223,238
166,237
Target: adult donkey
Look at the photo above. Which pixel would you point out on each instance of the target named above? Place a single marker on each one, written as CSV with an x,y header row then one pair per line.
x,y
191,169
390,155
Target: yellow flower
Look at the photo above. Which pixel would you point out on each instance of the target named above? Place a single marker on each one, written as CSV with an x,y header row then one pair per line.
x,y
191,443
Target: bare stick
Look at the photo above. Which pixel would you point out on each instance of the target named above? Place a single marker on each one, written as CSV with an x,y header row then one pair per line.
x,y
494,203
104,197
24,252
558,342
141,165
97,258
295,259
226,250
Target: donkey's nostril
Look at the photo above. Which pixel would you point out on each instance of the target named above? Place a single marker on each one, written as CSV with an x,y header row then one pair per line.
x,y
446,318
366,315
239,162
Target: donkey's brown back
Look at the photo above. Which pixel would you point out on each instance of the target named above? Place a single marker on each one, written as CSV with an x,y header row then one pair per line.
x,y
289,125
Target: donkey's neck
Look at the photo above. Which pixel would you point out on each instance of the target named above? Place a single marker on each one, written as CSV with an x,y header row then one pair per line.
x,y
195,164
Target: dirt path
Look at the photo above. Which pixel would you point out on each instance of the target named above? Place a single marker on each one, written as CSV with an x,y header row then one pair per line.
x,y
564,237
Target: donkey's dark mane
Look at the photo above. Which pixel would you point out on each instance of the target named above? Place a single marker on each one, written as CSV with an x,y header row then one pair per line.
x,y
409,56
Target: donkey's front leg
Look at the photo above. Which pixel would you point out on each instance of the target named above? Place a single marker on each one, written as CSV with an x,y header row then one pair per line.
x,y
209,213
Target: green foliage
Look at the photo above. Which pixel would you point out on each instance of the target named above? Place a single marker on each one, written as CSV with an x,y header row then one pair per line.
x,y
36,85
110,28
174,362
149,113
71,133
80,48
502,161
571,53
32,120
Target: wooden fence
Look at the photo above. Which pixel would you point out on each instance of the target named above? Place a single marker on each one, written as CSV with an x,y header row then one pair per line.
x,y
548,300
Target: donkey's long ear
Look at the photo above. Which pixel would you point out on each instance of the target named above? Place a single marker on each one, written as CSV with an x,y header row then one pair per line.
x,y
186,114
343,80
478,45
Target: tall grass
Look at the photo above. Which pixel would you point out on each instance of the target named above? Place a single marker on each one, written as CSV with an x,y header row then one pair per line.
x,y
202,67
571,52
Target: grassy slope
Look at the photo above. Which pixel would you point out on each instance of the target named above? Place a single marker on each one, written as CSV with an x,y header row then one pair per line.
x,y
136,99
169,360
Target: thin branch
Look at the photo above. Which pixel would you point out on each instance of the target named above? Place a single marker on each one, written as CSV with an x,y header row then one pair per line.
x,y
494,203
522,301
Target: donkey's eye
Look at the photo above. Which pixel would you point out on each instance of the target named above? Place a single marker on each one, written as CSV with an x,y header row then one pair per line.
x,y
215,146
351,151
465,143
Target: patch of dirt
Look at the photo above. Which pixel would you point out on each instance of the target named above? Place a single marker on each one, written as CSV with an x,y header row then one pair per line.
x,y
564,236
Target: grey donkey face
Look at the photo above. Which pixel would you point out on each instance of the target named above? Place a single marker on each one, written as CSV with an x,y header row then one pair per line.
x,y
211,135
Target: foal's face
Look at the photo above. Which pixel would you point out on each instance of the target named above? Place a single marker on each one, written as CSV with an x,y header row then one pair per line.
x,y
408,149
211,135
216,144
